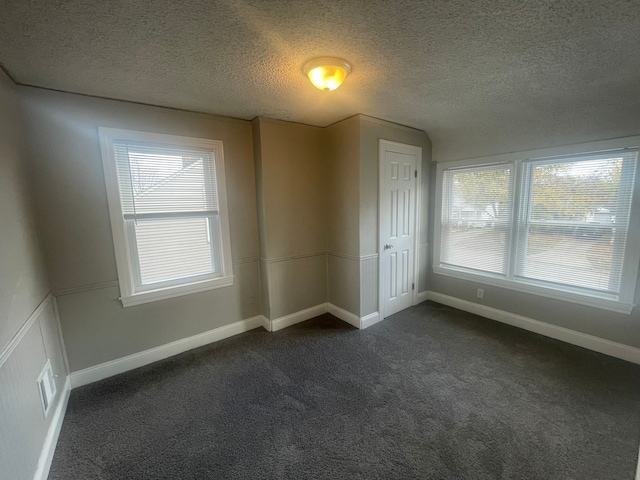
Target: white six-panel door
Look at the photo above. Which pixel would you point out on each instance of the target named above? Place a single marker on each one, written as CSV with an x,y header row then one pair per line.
x,y
397,225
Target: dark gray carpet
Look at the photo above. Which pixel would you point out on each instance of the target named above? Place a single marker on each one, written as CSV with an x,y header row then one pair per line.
x,y
430,393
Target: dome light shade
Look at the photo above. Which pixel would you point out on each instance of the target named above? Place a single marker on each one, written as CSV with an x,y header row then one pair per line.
x,y
327,73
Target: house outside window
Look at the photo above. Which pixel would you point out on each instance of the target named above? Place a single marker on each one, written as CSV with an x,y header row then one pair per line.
x,y
167,202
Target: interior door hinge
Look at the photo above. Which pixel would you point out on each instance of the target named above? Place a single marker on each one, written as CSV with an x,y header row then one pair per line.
x,y
415,173
413,286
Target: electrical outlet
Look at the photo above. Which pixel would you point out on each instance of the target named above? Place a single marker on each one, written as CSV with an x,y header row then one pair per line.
x,y
480,293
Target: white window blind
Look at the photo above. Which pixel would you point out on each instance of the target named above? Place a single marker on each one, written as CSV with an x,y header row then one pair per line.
x,y
556,226
575,219
476,218
170,205
170,227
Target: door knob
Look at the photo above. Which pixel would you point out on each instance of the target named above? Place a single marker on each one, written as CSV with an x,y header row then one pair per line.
x,y
387,246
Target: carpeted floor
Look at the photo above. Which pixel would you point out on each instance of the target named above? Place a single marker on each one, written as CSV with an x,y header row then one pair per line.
x,y
431,393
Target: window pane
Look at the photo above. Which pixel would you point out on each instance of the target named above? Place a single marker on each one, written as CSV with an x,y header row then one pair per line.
x,y
475,230
571,255
584,191
477,247
173,249
160,180
575,231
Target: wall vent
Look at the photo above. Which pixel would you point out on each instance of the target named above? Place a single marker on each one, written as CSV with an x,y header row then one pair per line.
x,y
47,387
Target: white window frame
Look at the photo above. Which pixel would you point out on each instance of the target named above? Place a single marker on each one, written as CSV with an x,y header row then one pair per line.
x,y
122,241
624,303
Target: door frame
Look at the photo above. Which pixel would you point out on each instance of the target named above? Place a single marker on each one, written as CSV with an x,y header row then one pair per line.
x,y
416,241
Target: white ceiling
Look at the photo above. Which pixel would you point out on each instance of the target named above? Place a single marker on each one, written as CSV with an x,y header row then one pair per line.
x,y
479,76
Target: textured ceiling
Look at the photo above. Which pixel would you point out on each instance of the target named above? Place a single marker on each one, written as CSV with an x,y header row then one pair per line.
x,y
479,76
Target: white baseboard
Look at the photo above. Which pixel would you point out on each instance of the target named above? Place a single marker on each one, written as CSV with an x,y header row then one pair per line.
x,y
51,440
614,349
370,319
140,359
422,297
344,315
297,317
266,323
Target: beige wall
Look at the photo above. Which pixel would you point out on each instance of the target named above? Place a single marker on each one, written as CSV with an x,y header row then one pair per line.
x,y
353,209
303,204
291,173
71,205
317,190
343,186
371,131
303,211
265,307
257,157
23,283
293,188
28,334
343,206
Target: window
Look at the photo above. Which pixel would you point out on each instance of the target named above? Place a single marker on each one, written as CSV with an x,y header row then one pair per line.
x,y
168,214
478,213
556,226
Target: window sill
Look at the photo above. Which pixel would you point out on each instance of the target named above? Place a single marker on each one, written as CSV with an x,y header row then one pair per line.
x,y
175,291
578,298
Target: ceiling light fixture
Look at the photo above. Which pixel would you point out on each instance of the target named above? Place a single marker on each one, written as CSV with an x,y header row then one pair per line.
x,y
327,73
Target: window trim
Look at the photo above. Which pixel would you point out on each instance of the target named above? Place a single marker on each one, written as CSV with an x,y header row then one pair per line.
x,y
625,301
124,256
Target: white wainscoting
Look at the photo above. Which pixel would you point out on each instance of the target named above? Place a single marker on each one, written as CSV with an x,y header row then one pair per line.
x,y
597,344
28,439
51,440
343,281
304,274
6,352
369,284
